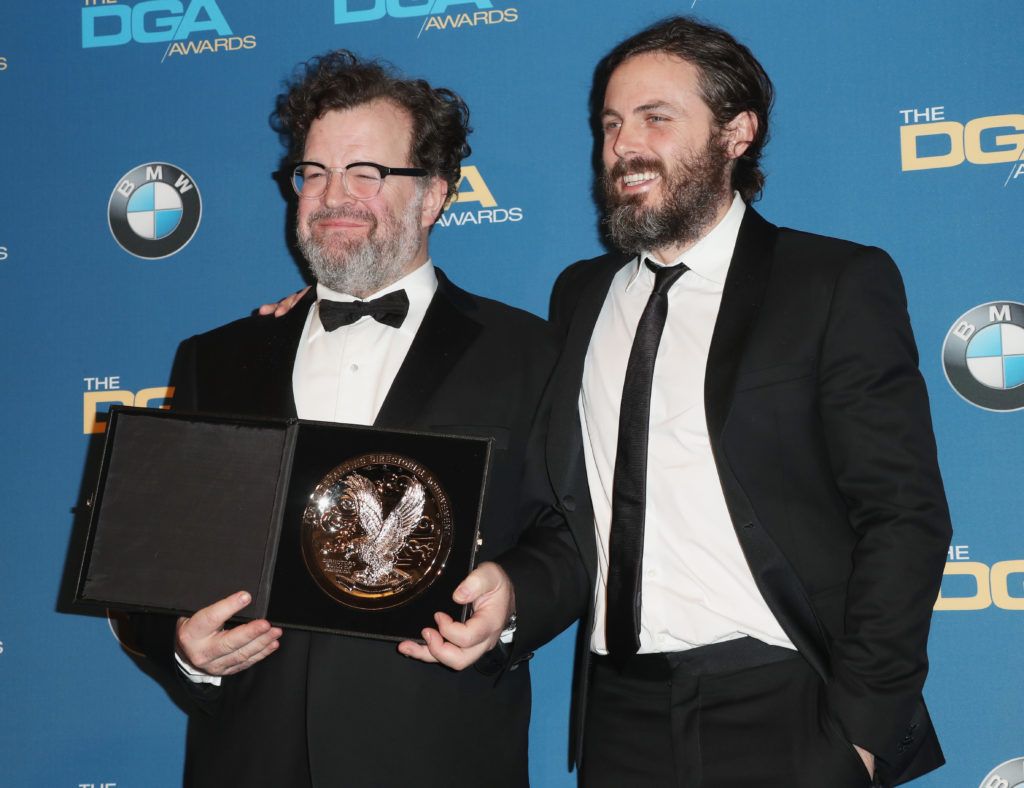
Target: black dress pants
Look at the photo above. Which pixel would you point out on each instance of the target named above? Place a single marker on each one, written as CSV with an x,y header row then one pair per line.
x,y
736,714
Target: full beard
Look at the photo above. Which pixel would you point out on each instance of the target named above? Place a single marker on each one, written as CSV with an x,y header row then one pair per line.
x,y
693,192
361,267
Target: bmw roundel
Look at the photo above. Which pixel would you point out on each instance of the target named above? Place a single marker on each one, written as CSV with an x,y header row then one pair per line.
x,y
154,210
983,356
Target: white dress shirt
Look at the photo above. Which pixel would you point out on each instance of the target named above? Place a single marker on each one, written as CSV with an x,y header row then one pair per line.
x,y
696,586
344,375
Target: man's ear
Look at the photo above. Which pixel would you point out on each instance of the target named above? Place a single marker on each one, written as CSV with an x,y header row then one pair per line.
x,y
433,201
739,133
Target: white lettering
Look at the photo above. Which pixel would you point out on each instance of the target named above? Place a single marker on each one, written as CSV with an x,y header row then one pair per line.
x,y
999,313
926,115
964,330
108,383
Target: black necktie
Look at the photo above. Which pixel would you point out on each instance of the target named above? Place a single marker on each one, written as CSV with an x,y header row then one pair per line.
x,y
389,309
629,483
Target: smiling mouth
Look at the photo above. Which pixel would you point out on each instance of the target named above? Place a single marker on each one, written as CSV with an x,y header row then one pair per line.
x,y
637,178
334,224
340,221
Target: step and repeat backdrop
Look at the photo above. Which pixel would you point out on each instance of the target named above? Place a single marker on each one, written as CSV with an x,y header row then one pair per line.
x,y
138,205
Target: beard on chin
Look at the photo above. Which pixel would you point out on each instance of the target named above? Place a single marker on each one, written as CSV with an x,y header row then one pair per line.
x,y
360,266
693,190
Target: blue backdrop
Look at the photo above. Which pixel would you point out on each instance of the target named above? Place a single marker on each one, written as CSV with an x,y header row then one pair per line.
x,y
897,124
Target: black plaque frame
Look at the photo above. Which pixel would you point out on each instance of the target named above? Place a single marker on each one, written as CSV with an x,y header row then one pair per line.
x,y
192,507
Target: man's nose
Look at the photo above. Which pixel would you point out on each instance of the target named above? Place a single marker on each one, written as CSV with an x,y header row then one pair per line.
x,y
626,141
335,194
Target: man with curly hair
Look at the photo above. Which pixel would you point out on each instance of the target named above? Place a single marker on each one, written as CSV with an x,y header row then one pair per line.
x,y
385,339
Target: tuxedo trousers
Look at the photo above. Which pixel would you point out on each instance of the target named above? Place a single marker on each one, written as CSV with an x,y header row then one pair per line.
x,y
734,714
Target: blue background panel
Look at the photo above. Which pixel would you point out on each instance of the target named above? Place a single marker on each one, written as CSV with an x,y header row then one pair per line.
x,y
89,324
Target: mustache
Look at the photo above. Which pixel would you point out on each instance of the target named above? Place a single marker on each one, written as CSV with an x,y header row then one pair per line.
x,y
342,212
629,166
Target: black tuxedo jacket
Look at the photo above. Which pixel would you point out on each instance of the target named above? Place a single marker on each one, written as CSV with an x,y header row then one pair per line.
x,y
338,711
820,429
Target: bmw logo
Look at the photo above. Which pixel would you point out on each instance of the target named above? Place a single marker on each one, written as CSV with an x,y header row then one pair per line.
x,y
983,356
154,210
1006,775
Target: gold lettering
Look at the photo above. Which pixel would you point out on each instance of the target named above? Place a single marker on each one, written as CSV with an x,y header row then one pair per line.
x,y
982,597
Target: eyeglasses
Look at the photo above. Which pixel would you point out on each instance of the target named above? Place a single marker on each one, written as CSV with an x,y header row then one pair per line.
x,y
361,179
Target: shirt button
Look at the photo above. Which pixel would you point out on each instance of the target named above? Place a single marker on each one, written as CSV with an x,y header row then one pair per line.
x,y
651,573
354,368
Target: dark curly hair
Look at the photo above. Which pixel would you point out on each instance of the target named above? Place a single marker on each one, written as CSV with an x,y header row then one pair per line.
x,y
731,82
341,80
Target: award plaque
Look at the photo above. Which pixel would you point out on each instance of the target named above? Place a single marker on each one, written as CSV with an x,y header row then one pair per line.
x,y
330,527
377,531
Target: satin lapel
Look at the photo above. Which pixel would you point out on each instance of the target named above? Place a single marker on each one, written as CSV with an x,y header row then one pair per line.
x,y
279,360
564,449
744,292
742,295
443,337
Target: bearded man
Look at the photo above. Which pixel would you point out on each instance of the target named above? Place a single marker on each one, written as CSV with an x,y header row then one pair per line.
x,y
384,339
737,488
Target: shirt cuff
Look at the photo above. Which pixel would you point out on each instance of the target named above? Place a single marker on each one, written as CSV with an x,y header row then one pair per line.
x,y
195,676
509,632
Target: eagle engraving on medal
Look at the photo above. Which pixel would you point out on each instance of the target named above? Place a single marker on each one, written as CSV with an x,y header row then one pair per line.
x,y
377,531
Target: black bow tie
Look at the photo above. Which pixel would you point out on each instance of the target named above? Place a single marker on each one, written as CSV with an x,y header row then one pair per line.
x,y
389,309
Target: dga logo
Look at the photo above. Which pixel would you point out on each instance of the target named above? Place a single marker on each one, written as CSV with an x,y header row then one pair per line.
x,y
154,210
106,390
437,14
983,356
108,23
929,141
973,585
1006,775
473,190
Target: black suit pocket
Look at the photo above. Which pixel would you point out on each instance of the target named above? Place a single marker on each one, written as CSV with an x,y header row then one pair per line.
x,y
831,759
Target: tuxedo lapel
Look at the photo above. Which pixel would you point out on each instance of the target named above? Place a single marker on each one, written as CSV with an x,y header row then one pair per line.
x,y
443,337
742,296
564,447
278,360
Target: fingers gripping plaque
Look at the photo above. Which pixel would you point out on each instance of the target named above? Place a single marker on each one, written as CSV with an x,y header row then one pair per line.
x,y
377,531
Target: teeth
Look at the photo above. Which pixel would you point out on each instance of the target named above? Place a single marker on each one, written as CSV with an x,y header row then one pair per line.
x,y
636,178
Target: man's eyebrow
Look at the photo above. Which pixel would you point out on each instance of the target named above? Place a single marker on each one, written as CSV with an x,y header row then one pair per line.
x,y
654,105
648,107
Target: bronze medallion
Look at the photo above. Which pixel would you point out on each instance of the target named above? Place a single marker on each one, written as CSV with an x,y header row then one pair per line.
x,y
377,531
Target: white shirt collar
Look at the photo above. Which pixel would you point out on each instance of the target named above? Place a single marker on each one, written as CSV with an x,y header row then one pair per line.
x,y
711,255
419,286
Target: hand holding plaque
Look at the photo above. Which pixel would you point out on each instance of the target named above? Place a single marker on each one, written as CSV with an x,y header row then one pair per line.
x,y
202,641
456,644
